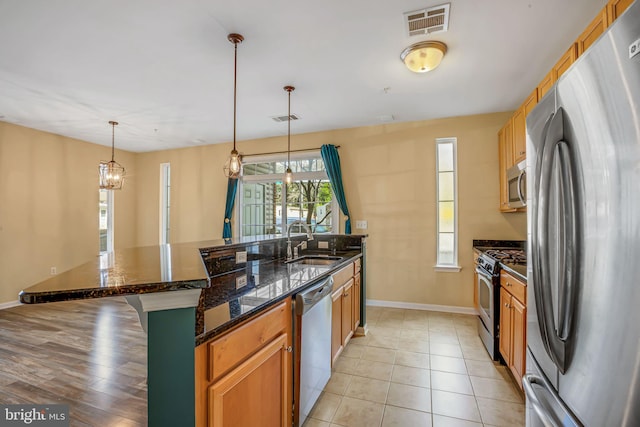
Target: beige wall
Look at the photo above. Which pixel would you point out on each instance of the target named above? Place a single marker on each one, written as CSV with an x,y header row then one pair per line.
x,y
389,175
49,205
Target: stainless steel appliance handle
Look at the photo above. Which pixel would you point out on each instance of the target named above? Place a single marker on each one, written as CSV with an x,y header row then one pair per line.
x,y
304,301
569,266
555,336
546,414
519,184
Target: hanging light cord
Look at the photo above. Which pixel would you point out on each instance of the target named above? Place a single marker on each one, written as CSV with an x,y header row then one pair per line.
x,y
235,78
289,133
113,139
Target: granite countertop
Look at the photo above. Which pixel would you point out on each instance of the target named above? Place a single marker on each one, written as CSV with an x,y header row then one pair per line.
x,y
208,265
126,272
222,306
518,270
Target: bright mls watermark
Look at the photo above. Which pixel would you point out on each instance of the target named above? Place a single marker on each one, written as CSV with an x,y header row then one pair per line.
x,y
34,415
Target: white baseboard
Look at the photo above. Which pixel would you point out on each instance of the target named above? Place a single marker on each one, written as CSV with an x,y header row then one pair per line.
x,y
428,307
9,304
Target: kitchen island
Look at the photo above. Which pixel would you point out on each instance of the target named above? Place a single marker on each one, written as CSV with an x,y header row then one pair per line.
x,y
196,287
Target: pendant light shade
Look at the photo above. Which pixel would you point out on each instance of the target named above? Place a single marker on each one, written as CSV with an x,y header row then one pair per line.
x,y
234,164
288,176
111,173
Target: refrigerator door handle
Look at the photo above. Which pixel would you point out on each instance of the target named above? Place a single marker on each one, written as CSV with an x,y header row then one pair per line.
x,y
555,336
546,404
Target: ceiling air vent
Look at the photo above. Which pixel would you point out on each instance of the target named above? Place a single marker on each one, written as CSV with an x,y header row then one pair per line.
x,y
426,21
285,118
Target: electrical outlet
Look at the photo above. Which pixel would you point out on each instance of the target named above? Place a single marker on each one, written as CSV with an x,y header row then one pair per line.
x,y
54,271
241,281
241,257
361,225
323,245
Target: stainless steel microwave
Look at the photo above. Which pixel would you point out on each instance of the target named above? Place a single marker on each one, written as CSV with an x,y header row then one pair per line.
x,y
517,185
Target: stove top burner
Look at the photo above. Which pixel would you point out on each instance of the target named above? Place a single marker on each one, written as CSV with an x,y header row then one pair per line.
x,y
514,256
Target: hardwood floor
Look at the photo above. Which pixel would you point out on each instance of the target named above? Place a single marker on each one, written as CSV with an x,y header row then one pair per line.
x,y
91,355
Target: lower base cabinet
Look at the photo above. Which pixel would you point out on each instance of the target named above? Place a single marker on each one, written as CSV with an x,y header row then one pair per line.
x,y
243,378
262,380
513,325
336,324
345,307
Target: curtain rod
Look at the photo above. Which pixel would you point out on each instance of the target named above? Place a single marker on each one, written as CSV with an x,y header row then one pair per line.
x,y
284,152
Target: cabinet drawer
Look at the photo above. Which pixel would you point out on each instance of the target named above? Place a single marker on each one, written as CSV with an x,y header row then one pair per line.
x,y
514,286
342,276
230,350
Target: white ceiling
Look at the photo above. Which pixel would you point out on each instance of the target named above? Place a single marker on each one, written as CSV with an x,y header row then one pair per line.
x,y
164,68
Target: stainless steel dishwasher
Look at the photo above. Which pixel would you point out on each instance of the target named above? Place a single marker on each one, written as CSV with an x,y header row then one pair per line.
x,y
313,339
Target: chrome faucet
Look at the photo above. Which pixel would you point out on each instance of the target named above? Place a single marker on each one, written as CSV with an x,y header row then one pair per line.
x,y
309,237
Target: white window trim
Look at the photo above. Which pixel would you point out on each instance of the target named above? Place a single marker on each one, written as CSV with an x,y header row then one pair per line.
x,y
110,222
455,267
279,177
165,180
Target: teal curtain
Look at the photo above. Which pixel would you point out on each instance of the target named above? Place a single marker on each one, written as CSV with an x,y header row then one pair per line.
x,y
331,160
232,188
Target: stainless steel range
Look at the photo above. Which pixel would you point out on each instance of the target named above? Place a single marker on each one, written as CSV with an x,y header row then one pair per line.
x,y
488,283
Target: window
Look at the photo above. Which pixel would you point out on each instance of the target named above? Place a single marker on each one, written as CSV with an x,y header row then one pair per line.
x,y
267,206
447,211
105,220
165,201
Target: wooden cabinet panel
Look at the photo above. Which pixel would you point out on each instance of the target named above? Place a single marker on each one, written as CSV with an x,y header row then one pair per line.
x,y
520,127
505,326
519,344
357,295
593,31
234,347
336,324
505,161
514,286
347,312
342,276
615,9
565,61
262,380
546,84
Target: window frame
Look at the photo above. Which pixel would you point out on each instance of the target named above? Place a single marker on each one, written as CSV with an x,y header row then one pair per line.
x,y
440,265
110,221
279,177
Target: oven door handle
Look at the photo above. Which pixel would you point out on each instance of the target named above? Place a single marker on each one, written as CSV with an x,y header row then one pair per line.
x,y
483,273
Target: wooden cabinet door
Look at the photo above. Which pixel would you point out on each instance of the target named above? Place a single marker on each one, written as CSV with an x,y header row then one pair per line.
x,y
505,161
520,127
565,61
593,31
615,9
546,84
336,324
357,295
263,380
519,333
505,326
347,312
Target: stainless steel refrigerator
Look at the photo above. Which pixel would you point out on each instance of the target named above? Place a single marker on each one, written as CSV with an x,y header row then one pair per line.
x,y
583,164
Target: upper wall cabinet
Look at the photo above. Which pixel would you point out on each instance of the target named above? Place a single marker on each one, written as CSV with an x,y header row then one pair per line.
x,y
520,127
564,62
615,9
593,30
505,159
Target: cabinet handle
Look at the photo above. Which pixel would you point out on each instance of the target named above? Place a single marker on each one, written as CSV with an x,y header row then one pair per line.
x,y
346,295
506,305
288,349
522,152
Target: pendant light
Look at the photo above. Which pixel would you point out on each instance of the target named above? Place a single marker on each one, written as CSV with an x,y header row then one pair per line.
x,y
233,165
111,173
288,175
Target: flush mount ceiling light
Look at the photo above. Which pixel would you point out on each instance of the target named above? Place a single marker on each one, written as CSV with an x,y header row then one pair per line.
x,y
288,176
424,56
233,165
111,173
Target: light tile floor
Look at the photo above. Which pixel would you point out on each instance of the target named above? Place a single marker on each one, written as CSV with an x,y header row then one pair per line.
x,y
418,368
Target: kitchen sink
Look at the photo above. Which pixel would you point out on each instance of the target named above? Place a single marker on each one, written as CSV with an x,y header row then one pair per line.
x,y
315,260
